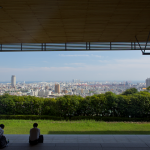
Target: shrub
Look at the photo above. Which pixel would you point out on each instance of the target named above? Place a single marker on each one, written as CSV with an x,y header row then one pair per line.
x,y
30,117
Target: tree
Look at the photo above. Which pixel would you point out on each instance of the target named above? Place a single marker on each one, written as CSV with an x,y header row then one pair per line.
x,y
98,104
68,105
123,102
111,103
148,88
7,105
130,91
50,107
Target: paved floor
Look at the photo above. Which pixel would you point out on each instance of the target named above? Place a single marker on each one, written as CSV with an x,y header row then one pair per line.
x,y
82,142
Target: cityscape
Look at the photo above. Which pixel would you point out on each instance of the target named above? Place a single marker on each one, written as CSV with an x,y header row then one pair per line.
x,y
74,87
74,74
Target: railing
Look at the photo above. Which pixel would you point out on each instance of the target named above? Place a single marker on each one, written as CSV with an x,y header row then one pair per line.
x,y
79,46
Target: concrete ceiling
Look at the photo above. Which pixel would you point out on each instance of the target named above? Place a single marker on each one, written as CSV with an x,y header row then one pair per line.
x,y
59,21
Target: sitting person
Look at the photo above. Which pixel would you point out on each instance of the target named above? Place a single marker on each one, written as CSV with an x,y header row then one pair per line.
x,y
35,136
3,142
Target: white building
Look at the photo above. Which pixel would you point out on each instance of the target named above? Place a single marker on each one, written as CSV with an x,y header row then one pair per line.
x,y
44,93
32,93
70,93
79,91
47,93
85,91
41,93
13,81
147,82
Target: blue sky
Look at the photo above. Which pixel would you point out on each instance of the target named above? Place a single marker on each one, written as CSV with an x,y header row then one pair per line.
x,y
64,66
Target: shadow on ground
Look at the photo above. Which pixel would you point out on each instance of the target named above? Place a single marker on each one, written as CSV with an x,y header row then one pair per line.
x,y
99,132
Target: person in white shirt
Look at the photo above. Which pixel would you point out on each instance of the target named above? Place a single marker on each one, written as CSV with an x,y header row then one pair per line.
x,y
35,136
1,130
3,142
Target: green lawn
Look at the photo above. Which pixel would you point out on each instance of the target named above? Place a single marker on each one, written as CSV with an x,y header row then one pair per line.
x,y
75,127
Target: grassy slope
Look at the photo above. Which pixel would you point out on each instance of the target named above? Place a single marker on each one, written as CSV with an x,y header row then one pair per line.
x,y
75,127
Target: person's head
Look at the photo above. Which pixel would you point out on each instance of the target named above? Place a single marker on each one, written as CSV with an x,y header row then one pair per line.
x,y
2,126
35,125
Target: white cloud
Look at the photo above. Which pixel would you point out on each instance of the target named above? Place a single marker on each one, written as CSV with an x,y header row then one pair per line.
x,y
135,61
99,56
104,61
76,64
62,55
118,69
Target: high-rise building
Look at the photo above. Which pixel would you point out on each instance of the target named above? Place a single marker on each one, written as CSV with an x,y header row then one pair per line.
x,y
64,91
57,88
126,82
147,82
75,81
46,87
13,80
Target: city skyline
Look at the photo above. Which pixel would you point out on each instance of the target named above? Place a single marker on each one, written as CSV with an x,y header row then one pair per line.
x,y
65,66
74,87
78,81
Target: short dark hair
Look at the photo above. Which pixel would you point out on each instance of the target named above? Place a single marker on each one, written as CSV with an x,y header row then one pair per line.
x,y
2,126
35,125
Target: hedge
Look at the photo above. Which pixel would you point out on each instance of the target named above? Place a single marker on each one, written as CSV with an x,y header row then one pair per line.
x,y
31,117
75,118
135,105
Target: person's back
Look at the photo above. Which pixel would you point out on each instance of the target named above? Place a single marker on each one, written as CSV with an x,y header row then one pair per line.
x,y
3,142
34,133
1,131
35,136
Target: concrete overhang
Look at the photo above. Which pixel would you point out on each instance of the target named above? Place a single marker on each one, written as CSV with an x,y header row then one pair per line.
x,y
60,21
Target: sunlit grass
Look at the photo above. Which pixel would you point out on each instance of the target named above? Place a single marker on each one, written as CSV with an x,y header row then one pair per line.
x,y
75,127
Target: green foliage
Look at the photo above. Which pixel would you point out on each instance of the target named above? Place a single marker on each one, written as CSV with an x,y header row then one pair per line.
x,y
126,105
98,103
148,88
130,91
49,107
67,105
111,103
30,117
74,118
123,104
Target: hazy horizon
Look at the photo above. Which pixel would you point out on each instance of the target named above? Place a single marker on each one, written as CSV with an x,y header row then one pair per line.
x,y
66,65
131,81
